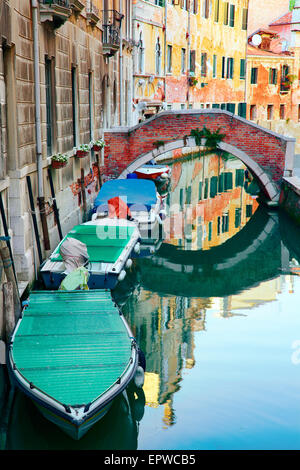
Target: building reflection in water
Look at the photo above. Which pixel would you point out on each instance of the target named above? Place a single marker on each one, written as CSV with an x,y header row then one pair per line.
x,y
208,204
208,201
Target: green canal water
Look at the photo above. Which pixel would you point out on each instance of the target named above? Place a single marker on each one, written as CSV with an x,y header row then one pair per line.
x,y
216,312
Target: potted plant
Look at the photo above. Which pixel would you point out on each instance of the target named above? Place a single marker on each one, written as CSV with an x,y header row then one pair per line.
x,y
59,160
82,150
97,145
200,136
193,81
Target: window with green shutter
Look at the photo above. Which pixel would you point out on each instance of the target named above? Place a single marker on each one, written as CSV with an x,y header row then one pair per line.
x,y
254,74
239,178
232,16
228,181
213,187
242,69
242,110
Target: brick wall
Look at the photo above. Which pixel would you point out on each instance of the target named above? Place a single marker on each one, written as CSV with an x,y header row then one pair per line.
x,y
264,147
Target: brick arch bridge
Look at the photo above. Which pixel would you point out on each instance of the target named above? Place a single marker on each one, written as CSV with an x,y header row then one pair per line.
x,y
269,156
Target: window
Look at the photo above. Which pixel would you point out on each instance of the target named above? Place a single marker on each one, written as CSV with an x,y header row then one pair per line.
x,y
182,60
157,58
230,67
239,178
49,106
195,7
182,106
270,109
74,106
273,76
230,107
203,64
254,73
298,112
284,85
232,15
242,69
206,4
184,4
160,3
253,112
228,183
225,222
141,55
200,191
214,66
242,110
205,188
226,10
282,111
217,10
209,231
192,61
237,217
245,19
169,59
223,67
248,210
219,226
213,187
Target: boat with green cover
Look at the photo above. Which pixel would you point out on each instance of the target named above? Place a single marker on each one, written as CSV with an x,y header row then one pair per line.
x,y
72,353
109,242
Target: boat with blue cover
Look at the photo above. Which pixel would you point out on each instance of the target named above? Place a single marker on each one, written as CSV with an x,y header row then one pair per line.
x,y
142,199
110,244
72,353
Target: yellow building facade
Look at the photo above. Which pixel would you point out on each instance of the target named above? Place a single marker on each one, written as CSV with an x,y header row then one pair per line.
x,y
190,54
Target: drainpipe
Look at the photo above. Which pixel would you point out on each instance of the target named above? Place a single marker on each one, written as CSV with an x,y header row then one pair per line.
x,y
39,157
121,69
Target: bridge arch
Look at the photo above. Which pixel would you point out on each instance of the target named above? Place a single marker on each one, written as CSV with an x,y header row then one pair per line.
x,y
266,183
268,155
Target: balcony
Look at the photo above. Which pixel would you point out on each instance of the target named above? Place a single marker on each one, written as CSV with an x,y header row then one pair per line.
x,y
111,31
92,13
55,11
77,5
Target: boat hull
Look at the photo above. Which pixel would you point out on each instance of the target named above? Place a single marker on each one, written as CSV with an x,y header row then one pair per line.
x,y
74,430
72,363
52,280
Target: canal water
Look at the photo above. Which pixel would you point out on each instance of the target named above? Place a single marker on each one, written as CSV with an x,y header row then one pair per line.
x,y
216,311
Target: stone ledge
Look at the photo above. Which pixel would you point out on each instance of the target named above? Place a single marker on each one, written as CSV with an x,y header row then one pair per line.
x,y
293,182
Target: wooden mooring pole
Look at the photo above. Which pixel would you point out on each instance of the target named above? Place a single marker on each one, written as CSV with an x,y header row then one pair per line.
x,y
10,278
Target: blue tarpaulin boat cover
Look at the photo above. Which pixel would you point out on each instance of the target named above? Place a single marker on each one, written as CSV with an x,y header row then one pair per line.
x,y
138,194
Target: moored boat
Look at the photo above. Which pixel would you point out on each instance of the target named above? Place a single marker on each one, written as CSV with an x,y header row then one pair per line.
x,y
153,172
110,243
72,353
142,199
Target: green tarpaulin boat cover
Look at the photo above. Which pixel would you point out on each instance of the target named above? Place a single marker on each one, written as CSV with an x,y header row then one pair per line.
x,y
71,345
104,243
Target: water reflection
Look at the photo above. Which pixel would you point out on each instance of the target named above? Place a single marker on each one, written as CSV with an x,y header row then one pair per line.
x,y
212,311
29,430
209,201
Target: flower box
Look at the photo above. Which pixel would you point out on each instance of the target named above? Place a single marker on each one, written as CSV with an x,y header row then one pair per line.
x,y
97,148
81,153
56,164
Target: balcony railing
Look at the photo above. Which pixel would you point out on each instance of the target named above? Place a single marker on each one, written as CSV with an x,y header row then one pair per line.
x,y
111,23
92,13
55,11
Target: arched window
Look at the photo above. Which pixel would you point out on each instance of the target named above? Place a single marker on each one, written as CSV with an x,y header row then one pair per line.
x,y
141,56
157,58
